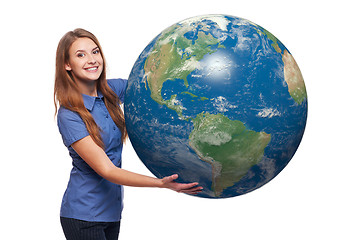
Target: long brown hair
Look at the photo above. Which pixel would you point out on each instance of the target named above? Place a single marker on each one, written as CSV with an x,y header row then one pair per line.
x,y
68,95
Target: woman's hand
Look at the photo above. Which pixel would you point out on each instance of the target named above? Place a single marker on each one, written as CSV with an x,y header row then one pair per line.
x,y
189,188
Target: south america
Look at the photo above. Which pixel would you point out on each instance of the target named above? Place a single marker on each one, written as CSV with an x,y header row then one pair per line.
x,y
228,146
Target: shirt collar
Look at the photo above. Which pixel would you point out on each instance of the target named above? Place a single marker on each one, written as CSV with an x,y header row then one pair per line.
x,y
89,101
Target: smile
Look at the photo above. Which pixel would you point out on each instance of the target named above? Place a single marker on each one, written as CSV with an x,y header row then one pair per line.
x,y
92,69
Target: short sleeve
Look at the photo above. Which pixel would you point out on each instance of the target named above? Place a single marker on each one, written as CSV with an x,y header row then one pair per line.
x,y
72,128
118,86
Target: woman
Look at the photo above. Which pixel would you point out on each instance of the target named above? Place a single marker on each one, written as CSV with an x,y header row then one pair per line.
x,y
92,126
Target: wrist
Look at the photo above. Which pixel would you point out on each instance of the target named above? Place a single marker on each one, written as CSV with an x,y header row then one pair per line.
x,y
160,183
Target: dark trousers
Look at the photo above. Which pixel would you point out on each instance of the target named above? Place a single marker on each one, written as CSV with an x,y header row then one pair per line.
x,y
82,230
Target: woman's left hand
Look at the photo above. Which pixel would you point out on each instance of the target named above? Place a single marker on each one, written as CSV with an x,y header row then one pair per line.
x,y
189,188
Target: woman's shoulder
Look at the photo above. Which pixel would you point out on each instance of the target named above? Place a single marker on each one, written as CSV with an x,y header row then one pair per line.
x,y
118,85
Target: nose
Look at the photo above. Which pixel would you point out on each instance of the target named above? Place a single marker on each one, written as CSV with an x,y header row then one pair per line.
x,y
91,59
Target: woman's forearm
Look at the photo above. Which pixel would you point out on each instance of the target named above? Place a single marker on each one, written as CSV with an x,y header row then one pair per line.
x,y
123,177
97,159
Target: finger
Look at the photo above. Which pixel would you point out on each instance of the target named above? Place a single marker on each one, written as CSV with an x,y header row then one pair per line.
x,y
174,176
169,179
190,185
192,190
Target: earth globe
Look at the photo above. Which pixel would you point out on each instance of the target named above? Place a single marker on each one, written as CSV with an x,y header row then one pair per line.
x,y
218,100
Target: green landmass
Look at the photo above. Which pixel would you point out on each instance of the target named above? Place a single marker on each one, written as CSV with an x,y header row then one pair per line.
x,y
191,94
175,57
228,146
194,96
173,104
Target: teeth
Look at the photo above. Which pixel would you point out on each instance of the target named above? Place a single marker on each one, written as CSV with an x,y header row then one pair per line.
x,y
91,69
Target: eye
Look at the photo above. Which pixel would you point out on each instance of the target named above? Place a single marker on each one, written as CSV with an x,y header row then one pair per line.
x,y
96,51
80,55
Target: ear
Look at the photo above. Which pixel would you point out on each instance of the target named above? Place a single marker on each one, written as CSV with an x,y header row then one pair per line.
x,y
67,67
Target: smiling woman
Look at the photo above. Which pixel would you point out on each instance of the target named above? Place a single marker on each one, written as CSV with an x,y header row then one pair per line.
x,y
86,64
76,52
92,126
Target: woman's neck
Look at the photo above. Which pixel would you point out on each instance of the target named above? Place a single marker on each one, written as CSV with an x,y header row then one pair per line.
x,y
88,87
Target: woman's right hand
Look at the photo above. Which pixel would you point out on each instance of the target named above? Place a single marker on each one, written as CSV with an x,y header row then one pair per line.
x,y
189,188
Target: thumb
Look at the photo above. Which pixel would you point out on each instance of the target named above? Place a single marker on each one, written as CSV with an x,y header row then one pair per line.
x,y
170,178
174,176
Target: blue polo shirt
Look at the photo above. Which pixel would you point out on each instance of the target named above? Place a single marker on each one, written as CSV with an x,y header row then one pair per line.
x,y
89,196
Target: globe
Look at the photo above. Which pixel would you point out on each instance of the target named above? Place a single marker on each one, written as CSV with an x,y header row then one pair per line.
x,y
218,100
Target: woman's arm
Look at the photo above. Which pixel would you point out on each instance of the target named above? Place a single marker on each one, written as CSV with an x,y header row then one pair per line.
x,y
97,159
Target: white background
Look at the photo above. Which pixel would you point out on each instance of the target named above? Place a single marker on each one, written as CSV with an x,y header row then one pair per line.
x,y
314,197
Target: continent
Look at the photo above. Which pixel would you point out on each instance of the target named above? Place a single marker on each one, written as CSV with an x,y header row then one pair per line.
x,y
228,147
175,57
293,78
292,74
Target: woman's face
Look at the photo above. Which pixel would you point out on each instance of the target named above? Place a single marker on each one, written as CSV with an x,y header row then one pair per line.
x,y
85,60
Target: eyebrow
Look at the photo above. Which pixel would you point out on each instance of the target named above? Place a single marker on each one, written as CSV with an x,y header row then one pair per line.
x,y
80,50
